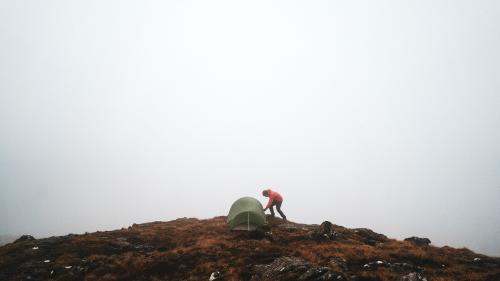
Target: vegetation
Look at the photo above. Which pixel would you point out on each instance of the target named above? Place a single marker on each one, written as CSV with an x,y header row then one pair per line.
x,y
192,249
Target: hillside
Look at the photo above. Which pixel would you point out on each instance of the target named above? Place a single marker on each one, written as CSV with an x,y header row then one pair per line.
x,y
192,249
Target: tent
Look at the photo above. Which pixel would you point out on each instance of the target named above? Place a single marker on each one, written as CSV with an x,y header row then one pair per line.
x,y
246,214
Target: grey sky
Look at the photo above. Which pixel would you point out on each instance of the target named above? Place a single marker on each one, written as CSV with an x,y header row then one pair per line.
x,y
379,114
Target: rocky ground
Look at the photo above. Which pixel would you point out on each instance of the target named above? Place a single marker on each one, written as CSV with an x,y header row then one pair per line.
x,y
192,249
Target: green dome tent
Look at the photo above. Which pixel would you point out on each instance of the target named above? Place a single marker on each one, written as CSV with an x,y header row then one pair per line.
x,y
246,214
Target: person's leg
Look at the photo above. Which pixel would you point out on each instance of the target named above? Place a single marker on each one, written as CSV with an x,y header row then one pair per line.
x,y
272,210
278,207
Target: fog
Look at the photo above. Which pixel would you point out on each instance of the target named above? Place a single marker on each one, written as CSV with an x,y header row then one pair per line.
x,y
380,114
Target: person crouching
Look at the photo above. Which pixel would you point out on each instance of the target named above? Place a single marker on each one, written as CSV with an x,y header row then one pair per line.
x,y
275,199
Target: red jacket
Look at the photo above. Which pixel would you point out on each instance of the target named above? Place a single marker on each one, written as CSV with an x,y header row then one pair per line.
x,y
274,197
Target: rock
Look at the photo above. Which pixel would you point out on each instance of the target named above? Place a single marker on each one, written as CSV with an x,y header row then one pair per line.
x,y
419,241
24,238
370,237
120,242
325,231
414,276
146,248
477,259
338,263
375,264
313,273
293,268
281,265
396,266
404,267
217,275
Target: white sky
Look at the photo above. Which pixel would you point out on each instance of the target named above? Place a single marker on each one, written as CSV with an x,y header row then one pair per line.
x,y
379,114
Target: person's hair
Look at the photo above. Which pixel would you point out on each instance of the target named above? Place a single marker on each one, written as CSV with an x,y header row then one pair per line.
x,y
265,193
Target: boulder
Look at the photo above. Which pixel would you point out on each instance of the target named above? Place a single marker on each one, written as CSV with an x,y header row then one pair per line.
x,y
325,231
369,236
419,241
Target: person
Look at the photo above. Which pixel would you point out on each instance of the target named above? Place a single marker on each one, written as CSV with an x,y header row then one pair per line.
x,y
275,199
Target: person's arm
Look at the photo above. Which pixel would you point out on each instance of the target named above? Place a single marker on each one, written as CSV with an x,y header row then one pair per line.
x,y
269,204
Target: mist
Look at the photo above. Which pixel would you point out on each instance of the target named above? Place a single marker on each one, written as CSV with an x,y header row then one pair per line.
x,y
368,114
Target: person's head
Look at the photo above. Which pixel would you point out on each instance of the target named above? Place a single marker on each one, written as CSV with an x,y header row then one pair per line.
x,y
265,193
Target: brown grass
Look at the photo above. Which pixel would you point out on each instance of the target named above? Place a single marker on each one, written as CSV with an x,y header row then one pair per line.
x,y
191,249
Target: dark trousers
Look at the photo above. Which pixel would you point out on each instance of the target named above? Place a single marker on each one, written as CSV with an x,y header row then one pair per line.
x,y
278,208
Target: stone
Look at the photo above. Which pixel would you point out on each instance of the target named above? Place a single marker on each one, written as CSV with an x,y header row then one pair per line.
x,y
370,237
414,276
419,241
216,275
325,231
293,268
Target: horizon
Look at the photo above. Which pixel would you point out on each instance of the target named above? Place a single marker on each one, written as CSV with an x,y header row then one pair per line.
x,y
379,115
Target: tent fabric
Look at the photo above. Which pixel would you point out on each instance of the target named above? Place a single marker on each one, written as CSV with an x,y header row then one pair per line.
x,y
246,213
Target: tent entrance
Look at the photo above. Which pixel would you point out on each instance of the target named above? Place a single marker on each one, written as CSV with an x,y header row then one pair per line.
x,y
248,226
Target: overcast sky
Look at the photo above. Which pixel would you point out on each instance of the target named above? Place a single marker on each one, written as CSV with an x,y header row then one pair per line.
x,y
378,114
